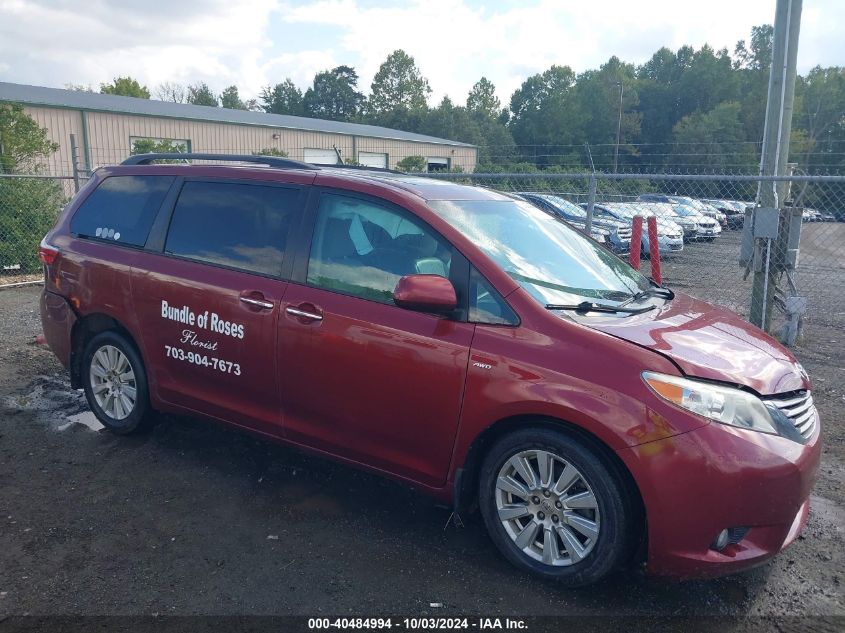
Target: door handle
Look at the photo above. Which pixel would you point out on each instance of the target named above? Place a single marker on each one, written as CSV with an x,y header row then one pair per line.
x,y
304,314
258,303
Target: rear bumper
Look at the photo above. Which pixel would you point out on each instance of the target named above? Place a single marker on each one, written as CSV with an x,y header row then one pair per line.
x,y
57,320
696,484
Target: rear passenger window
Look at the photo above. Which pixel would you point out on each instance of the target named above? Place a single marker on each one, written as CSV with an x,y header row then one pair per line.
x,y
121,209
237,225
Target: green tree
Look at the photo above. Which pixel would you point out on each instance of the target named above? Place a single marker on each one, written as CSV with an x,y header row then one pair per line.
x,y
598,92
399,93
334,95
231,99
712,141
413,164
820,111
158,146
482,100
23,144
200,94
125,87
283,98
28,206
546,119
271,151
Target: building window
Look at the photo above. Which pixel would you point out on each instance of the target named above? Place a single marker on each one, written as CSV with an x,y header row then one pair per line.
x,y
436,163
152,145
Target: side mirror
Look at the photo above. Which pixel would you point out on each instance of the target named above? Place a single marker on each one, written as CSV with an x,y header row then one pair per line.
x,y
425,293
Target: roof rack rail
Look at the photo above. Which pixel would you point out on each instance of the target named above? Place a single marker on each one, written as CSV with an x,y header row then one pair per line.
x,y
270,161
365,168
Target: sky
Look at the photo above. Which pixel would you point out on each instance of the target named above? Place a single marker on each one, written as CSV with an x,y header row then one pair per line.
x,y
254,43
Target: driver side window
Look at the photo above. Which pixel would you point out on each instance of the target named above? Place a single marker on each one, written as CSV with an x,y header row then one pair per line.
x,y
361,248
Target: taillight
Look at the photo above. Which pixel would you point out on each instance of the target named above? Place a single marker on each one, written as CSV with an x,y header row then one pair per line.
x,y
46,252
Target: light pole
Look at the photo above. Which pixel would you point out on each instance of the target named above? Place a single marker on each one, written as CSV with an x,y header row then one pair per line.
x,y
618,128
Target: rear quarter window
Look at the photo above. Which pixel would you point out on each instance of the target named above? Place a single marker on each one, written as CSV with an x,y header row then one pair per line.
x,y
122,209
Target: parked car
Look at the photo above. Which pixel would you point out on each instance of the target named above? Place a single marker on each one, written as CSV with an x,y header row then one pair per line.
x,y
670,236
447,336
695,225
698,205
734,211
810,215
619,233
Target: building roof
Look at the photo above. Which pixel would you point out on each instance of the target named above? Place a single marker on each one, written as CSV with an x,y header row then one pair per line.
x,y
95,102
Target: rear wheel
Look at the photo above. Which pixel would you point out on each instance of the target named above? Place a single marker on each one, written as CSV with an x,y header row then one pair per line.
x,y
115,383
554,508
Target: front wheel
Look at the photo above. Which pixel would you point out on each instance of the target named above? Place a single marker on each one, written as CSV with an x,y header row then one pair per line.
x,y
554,508
116,384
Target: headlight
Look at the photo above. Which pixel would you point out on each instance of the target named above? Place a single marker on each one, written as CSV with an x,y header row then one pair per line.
x,y
720,404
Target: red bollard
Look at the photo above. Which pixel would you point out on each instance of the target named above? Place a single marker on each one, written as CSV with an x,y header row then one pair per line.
x,y
636,242
654,250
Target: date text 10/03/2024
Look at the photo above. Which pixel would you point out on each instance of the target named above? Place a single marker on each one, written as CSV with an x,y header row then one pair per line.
x,y
418,623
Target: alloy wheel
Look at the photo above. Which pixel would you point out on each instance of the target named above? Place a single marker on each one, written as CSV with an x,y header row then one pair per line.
x,y
547,507
113,382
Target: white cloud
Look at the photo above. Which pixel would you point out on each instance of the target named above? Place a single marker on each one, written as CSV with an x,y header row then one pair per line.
x,y
251,43
57,42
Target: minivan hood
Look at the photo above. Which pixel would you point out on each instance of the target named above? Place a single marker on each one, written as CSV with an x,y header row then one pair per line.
x,y
710,342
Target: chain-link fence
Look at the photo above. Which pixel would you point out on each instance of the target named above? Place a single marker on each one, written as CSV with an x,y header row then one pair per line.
x,y
702,260
696,256
29,206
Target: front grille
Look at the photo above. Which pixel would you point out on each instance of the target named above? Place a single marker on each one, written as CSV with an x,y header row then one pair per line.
x,y
623,233
799,408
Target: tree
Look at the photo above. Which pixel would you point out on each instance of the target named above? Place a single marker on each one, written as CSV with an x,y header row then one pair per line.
x,y
482,100
23,145
157,146
200,94
399,92
230,99
759,56
598,95
271,151
283,98
169,91
334,95
711,141
28,206
820,110
413,163
546,118
125,87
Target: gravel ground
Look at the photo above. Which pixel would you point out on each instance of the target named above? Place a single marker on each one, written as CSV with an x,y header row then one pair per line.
x,y
199,519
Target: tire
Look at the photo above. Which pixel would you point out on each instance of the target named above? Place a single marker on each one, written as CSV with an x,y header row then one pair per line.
x,y
574,558
112,373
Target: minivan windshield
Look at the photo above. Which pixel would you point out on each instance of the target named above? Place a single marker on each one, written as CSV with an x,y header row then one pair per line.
x,y
555,263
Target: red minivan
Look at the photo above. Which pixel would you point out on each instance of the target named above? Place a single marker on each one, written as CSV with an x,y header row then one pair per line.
x,y
448,336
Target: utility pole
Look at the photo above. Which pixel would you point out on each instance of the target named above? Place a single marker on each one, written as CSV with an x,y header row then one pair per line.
x,y
769,251
618,128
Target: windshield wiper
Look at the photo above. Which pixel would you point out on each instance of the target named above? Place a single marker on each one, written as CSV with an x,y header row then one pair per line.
x,y
657,291
589,306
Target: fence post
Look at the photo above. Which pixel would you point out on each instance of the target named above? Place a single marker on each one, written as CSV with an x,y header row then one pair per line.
x,y
74,160
591,202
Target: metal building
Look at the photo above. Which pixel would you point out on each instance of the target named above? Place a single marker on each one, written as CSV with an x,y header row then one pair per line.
x,y
108,126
